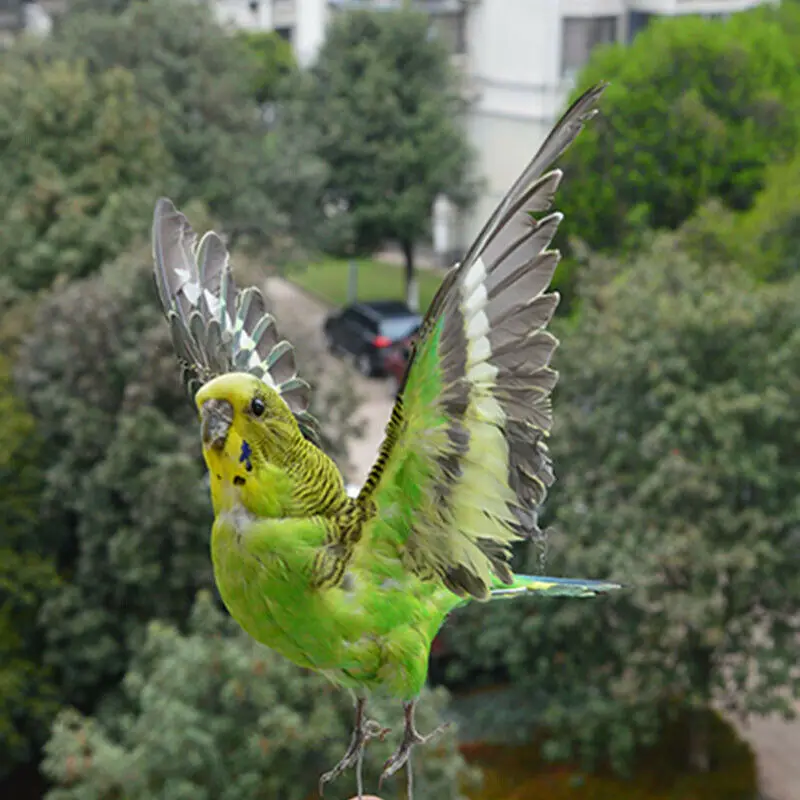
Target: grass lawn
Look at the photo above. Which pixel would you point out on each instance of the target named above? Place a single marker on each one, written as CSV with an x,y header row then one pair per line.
x,y
376,281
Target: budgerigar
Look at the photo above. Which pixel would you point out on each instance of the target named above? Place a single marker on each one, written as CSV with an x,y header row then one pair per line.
x,y
357,588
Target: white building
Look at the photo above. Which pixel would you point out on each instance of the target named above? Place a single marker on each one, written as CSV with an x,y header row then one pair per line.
x,y
522,57
32,16
519,58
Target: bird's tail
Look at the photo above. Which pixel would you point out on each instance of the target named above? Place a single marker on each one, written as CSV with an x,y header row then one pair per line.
x,y
552,587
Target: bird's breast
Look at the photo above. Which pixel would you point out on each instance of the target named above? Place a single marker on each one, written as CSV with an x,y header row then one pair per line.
x,y
245,583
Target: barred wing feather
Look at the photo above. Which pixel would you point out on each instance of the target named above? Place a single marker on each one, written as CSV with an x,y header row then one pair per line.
x,y
464,464
215,327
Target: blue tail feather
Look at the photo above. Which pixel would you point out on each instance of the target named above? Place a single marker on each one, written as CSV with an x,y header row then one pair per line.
x,y
553,587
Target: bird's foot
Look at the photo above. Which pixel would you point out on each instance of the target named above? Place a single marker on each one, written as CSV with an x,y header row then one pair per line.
x,y
363,732
411,738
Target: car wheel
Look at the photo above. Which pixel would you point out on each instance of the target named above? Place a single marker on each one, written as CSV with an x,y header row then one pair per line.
x,y
364,365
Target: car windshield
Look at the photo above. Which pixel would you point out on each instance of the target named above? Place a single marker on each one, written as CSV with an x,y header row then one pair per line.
x,y
396,328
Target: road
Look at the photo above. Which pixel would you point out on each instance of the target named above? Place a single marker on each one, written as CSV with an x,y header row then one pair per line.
x,y
777,747
776,742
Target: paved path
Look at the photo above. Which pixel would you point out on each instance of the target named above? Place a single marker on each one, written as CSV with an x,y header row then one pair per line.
x,y
777,746
776,743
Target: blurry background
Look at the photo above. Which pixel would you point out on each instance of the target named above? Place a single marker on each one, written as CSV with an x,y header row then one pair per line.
x,y
348,152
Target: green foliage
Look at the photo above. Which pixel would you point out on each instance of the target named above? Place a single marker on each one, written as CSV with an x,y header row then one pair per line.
x,y
80,157
328,280
124,505
696,109
675,441
20,475
28,696
192,71
298,176
387,111
26,692
769,233
211,715
272,59
765,240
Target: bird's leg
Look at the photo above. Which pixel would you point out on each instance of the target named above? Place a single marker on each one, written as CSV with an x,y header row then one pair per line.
x,y
411,738
363,731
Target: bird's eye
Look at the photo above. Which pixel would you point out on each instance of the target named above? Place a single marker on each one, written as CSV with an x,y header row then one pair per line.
x,y
257,406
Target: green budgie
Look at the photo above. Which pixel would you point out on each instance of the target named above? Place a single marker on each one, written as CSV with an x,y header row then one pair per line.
x,y
357,588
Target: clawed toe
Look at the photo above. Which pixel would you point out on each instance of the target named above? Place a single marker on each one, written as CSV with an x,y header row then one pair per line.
x,y
411,738
350,759
400,758
374,730
363,732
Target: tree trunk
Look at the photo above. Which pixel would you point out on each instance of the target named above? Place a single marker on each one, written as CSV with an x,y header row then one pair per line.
x,y
699,726
699,743
412,286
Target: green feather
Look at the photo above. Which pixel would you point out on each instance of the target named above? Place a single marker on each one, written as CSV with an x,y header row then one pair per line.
x,y
358,588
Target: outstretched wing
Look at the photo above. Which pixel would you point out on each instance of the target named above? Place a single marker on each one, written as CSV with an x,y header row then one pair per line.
x,y
464,464
215,327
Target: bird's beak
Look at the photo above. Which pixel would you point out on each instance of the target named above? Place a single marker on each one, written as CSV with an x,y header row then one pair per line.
x,y
216,417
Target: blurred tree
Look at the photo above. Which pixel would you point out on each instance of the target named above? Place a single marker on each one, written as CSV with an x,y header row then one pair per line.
x,y
27,696
765,239
124,506
212,715
299,177
190,68
80,156
387,109
272,61
677,429
696,108
20,467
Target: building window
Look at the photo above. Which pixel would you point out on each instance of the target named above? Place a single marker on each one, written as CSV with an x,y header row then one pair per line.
x,y
285,33
637,22
452,28
580,35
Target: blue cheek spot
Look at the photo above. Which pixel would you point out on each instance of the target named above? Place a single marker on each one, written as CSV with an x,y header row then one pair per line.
x,y
245,457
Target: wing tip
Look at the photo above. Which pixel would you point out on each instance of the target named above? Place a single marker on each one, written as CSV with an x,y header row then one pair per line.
x,y
164,203
163,210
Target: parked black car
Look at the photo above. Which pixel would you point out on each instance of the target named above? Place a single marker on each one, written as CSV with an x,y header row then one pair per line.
x,y
367,331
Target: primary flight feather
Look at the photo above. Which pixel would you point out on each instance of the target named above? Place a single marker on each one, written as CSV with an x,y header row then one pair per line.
x,y
357,588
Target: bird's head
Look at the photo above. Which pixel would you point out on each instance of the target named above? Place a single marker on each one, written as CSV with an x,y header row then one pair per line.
x,y
245,425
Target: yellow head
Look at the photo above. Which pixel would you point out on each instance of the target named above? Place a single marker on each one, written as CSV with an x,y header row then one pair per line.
x,y
246,428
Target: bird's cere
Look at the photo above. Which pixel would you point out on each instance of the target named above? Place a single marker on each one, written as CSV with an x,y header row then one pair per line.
x,y
216,418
